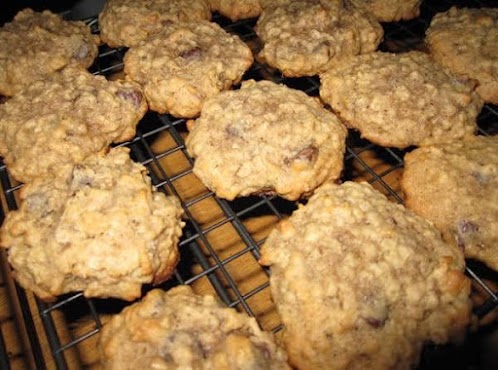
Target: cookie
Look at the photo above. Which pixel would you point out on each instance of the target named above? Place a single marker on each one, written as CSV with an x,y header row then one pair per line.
x,y
400,100
102,230
266,138
127,22
377,281
178,329
237,9
35,45
304,38
464,40
186,63
455,186
59,121
388,10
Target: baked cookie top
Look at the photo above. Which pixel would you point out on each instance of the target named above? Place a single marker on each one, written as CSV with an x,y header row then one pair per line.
x,y
389,10
102,230
178,329
186,63
377,280
464,40
304,38
35,45
266,138
59,121
127,22
399,100
455,186
237,9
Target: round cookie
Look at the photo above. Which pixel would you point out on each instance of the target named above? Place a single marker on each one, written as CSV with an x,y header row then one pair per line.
x,y
455,186
399,100
102,230
35,45
266,138
464,40
304,38
127,22
186,63
377,281
237,9
178,329
59,121
389,10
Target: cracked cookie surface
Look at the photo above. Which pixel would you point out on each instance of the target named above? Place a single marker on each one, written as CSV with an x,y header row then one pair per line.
x,y
127,22
266,138
178,329
464,40
36,44
377,280
400,100
455,186
58,122
101,229
186,63
304,38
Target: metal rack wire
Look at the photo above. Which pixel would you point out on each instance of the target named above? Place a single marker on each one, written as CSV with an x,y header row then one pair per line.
x,y
198,247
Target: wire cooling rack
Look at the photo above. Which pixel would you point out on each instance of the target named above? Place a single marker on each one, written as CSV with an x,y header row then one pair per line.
x,y
215,244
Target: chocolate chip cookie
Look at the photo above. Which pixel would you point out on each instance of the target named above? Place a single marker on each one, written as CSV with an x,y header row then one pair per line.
x,y
36,44
455,186
363,283
100,229
186,63
178,329
57,122
266,138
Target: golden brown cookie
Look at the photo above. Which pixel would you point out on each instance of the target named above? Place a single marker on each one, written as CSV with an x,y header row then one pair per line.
x,y
127,22
363,283
59,121
35,45
464,40
304,38
102,230
185,64
266,138
455,186
178,329
400,100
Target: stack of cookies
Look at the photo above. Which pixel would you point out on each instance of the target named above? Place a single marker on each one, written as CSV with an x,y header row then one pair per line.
x,y
359,282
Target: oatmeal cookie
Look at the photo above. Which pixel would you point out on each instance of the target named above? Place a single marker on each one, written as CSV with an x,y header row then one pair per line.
x,y
102,230
389,10
465,41
304,38
455,186
35,45
363,283
237,9
186,63
178,329
127,22
57,122
266,138
399,100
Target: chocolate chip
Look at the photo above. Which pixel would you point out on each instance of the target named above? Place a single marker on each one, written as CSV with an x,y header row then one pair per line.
x,y
374,322
232,131
132,96
308,154
481,178
465,227
191,54
265,191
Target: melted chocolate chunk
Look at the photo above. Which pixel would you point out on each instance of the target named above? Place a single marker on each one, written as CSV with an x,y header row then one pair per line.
x,y
308,154
133,96
266,191
374,322
192,54
465,227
